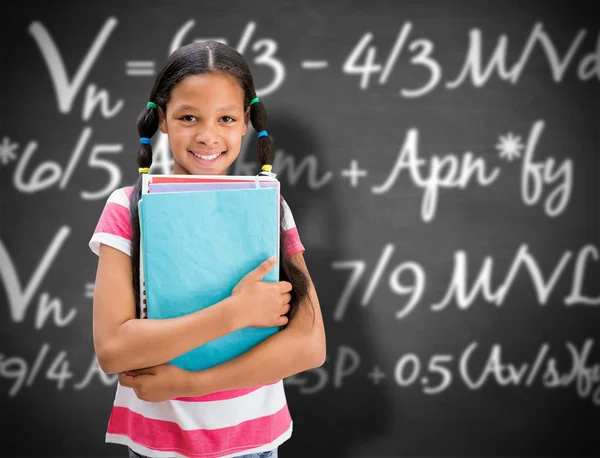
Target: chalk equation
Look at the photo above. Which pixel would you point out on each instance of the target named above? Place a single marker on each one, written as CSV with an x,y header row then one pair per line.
x,y
362,60
51,367
431,375
547,182
408,279
436,374
542,181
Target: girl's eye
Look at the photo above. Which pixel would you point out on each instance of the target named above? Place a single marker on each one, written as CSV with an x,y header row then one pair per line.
x,y
190,118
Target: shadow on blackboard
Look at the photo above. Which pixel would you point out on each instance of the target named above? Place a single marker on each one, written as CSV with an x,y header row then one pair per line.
x,y
328,420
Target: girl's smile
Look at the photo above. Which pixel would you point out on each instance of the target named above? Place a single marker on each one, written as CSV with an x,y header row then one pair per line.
x,y
206,158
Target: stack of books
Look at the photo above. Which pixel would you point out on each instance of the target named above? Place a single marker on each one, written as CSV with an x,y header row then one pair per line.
x,y
200,235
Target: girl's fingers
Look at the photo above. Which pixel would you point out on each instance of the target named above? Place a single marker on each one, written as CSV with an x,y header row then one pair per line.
x,y
284,286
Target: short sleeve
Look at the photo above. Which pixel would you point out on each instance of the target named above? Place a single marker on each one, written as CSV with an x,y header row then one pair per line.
x,y
114,225
291,241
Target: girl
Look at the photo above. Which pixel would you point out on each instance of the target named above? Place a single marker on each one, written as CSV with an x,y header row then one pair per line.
x,y
202,99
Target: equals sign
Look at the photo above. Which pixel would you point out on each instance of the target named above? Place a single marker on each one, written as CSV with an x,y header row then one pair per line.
x,y
314,64
89,290
139,68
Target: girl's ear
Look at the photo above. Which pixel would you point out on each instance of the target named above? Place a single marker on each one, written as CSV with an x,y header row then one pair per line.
x,y
246,119
162,121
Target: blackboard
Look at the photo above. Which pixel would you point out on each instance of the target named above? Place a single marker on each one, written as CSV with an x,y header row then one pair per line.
x,y
440,160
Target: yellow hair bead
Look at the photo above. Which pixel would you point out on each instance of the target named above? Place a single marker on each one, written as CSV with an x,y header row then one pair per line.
x,y
267,168
143,170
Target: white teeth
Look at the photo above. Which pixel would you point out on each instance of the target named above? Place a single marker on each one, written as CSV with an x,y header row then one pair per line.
x,y
207,158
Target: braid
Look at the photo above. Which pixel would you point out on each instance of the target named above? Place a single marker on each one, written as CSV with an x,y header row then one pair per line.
x,y
147,125
264,145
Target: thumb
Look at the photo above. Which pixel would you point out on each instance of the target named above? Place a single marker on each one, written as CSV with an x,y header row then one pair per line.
x,y
263,269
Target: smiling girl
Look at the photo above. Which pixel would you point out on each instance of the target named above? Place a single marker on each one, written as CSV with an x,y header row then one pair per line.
x,y
202,99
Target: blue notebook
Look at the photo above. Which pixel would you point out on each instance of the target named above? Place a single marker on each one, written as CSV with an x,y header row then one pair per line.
x,y
196,247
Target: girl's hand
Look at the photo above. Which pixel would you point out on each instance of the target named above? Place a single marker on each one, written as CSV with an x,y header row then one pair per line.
x,y
158,383
262,304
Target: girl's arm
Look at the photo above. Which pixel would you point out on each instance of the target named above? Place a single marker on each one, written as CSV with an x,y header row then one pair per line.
x,y
298,347
124,343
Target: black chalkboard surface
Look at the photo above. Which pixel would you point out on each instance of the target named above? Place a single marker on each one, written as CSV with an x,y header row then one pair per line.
x,y
441,163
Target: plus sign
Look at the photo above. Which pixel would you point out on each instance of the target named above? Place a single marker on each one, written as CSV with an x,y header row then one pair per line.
x,y
354,173
376,375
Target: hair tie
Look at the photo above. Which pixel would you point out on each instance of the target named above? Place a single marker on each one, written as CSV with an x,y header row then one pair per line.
x,y
254,100
263,133
143,170
145,140
152,105
266,170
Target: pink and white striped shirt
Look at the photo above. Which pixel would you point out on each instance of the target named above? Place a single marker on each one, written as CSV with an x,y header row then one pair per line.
x,y
223,424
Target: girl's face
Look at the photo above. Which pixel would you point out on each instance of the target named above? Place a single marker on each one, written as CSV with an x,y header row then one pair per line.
x,y
205,122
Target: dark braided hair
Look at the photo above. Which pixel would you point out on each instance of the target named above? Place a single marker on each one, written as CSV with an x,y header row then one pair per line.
x,y
197,59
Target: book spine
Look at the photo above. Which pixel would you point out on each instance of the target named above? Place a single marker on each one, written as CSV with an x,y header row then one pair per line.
x,y
143,290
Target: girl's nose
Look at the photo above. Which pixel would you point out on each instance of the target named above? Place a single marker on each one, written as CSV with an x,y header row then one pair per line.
x,y
206,134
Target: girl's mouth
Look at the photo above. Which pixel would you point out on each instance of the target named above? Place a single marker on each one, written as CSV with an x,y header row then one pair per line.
x,y
207,158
